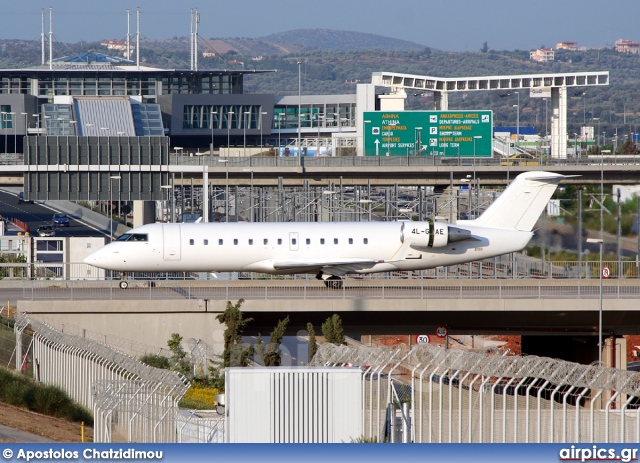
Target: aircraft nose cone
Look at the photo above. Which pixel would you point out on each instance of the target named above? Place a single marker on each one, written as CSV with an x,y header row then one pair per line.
x,y
91,259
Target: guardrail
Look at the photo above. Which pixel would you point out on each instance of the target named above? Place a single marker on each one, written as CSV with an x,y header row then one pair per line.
x,y
530,281
371,161
517,269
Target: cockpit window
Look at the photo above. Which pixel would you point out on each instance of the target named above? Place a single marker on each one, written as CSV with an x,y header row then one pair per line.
x,y
134,237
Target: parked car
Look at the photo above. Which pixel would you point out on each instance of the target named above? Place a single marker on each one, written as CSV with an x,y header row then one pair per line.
x,y
22,200
60,220
46,230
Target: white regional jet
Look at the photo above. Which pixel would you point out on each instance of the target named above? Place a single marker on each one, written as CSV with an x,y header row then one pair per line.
x,y
329,249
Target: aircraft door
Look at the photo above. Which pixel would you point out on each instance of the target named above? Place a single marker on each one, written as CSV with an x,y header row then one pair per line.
x,y
171,237
293,242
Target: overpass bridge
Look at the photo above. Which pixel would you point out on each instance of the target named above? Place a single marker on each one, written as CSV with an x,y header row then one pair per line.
x,y
358,170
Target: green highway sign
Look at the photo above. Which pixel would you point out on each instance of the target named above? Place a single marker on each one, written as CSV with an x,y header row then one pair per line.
x,y
429,133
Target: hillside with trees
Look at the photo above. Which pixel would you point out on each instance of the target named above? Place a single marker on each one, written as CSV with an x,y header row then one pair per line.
x,y
333,62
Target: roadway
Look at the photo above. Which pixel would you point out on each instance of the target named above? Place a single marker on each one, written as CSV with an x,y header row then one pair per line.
x,y
38,214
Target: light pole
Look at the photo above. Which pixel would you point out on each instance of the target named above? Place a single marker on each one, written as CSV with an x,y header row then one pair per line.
x,y
416,136
106,130
250,194
262,113
600,243
517,120
229,120
37,116
299,109
113,177
26,128
475,137
213,113
15,135
166,202
4,129
244,144
318,118
226,190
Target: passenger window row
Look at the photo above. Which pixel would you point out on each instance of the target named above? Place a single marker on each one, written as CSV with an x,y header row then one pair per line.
x,y
265,241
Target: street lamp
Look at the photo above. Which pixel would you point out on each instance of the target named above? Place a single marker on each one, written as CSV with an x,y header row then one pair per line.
x,y
245,123
15,135
599,242
26,126
213,113
250,194
299,108
229,119
166,202
37,122
318,118
106,130
598,139
262,113
226,190
517,120
416,137
113,177
475,137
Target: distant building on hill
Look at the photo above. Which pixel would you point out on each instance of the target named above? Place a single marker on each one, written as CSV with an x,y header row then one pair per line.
x,y
571,46
627,46
542,55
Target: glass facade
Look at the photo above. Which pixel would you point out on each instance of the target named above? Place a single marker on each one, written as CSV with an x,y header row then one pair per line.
x,y
316,115
221,117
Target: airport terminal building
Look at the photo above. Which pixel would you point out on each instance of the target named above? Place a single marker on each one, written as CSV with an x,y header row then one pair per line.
x,y
96,95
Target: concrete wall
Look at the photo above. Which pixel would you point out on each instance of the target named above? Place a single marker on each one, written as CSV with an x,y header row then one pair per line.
x,y
147,322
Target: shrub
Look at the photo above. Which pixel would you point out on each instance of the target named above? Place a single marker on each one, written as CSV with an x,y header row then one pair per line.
x,y
199,398
157,361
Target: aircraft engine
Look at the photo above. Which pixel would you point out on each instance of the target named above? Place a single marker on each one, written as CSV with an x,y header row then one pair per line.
x,y
431,234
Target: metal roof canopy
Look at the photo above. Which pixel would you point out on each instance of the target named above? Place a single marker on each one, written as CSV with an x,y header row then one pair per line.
x,y
558,83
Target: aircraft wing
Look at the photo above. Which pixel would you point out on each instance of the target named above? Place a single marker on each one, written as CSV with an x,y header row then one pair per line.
x,y
336,267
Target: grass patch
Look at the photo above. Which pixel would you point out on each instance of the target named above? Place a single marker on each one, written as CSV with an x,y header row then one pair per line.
x,y
48,400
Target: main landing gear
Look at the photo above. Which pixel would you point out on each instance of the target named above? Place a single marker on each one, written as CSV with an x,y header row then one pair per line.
x,y
331,281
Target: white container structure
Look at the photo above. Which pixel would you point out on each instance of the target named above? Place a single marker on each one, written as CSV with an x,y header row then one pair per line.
x,y
293,404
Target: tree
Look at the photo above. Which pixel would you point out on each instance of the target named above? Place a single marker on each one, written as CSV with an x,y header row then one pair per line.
x,y
178,355
485,47
628,147
332,330
235,353
259,350
273,354
313,345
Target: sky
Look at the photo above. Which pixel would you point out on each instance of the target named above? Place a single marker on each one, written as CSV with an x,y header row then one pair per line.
x,y
450,25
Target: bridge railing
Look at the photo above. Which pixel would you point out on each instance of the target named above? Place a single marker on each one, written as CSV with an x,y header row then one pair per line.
x,y
388,161
473,280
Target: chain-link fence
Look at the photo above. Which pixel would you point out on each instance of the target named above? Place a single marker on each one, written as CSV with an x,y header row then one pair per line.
x,y
432,394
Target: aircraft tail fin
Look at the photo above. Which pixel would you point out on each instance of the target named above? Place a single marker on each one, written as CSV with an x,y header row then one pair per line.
x,y
522,202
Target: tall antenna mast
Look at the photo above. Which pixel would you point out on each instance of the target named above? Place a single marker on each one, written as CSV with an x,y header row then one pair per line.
x,y
43,37
191,38
195,42
138,37
128,52
50,37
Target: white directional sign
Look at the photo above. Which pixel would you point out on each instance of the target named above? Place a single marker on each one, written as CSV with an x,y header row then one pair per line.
x,y
423,339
